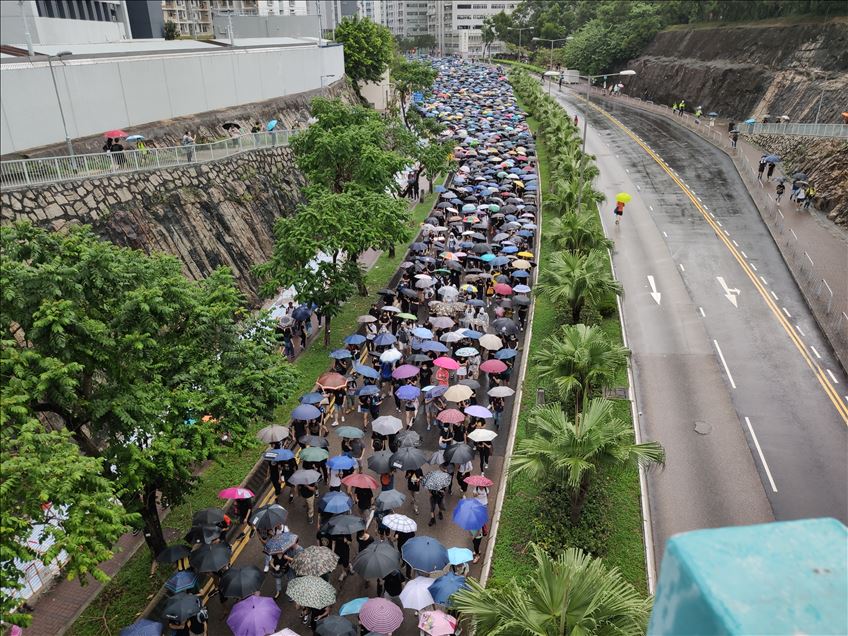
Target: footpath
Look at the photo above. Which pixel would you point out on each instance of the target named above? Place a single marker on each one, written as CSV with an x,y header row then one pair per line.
x,y
814,248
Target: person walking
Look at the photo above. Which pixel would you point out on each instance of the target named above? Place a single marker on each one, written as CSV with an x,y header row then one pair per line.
x,y
307,491
476,541
734,138
413,486
187,142
800,197
761,168
770,171
779,190
437,501
619,211
808,201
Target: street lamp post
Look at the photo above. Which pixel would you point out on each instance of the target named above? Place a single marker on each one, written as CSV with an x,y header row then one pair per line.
x,y
589,79
50,58
519,29
551,63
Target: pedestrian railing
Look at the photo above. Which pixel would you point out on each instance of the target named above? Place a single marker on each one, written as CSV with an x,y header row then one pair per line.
x,y
802,130
45,170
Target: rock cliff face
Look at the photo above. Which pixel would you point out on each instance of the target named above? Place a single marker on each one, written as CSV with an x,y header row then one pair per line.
x,y
208,215
750,70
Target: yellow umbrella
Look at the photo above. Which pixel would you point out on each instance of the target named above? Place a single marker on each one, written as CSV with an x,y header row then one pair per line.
x,y
525,255
623,197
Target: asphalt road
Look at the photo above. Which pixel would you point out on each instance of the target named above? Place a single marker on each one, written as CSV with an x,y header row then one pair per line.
x,y
750,432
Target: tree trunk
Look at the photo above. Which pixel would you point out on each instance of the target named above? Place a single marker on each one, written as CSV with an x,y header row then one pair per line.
x,y
578,500
360,285
327,330
391,250
153,535
576,308
430,183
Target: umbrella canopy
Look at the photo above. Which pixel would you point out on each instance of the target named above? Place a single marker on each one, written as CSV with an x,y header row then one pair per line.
x,y
354,339
335,502
210,558
380,615
451,416
491,342
493,366
340,354
343,524
475,410
350,432
408,437
390,355
470,514
254,616
381,462
379,559
336,626
425,554
277,455
458,393
173,553
384,339
352,607
272,434
400,523
360,480
341,462
459,453
315,560
407,458
458,556
436,480
416,594
405,371
306,412
386,425
280,543
181,581
312,398
313,454
436,623
390,499
314,440
501,392
446,585
366,319
144,627
304,477
271,125
114,134
181,607
366,371
268,517
482,435
207,517
311,591
239,582
331,381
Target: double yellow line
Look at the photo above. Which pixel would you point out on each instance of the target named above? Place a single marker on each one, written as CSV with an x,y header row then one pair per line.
x,y
818,372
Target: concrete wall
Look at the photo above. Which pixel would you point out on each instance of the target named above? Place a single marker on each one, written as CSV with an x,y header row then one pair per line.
x,y
377,93
100,94
256,26
53,30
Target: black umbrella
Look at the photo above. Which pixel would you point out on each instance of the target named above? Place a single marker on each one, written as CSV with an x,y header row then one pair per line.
x,y
377,560
521,300
202,534
207,517
182,607
343,524
408,458
800,176
381,462
409,438
459,453
210,558
505,326
481,248
231,124
389,500
314,440
335,626
409,293
240,582
387,292
268,517
173,553
470,382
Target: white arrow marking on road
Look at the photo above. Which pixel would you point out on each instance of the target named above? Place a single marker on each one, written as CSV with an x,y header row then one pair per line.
x,y
654,293
730,294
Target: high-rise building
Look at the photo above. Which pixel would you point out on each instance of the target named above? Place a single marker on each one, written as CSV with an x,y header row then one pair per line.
x,y
194,17
456,24
406,18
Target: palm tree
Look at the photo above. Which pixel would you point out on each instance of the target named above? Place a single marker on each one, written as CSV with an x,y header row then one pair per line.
x,y
576,233
571,452
566,193
572,594
579,359
572,280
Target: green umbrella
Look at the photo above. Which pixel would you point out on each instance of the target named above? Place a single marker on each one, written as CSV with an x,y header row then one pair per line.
x,y
311,591
313,454
350,432
315,560
406,316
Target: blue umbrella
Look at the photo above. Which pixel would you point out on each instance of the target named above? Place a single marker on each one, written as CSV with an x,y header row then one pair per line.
x,y
335,502
311,398
355,339
384,340
408,392
425,553
422,332
466,351
305,412
435,391
432,345
144,627
368,389
353,607
458,556
301,313
750,121
445,586
487,258
341,462
469,207
340,354
772,159
500,260
474,335
506,354
521,273
181,581
271,125
366,371
135,137
277,455
470,514
439,188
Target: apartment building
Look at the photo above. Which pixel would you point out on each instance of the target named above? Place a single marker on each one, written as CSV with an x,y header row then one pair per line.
x,y
456,24
194,17
65,22
407,18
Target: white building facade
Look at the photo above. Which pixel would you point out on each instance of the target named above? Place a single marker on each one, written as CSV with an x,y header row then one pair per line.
x,y
407,18
67,22
456,25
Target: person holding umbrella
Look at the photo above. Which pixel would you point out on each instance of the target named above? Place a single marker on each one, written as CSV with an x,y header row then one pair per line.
x,y
413,486
437,501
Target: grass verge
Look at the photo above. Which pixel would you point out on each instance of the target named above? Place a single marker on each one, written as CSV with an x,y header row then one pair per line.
x,y
612,522
126,595
527,67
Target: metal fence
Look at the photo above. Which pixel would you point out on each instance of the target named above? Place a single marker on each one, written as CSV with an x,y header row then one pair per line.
x,y
42,171
803,130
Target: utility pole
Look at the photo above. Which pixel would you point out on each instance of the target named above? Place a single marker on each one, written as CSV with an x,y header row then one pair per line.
x,y
27,34
59,56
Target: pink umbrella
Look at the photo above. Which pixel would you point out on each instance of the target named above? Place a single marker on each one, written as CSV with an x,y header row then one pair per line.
x,y
405,371
361,480
436,623
381,616
479,480
235,492
493,366
446,363
451,416
503,289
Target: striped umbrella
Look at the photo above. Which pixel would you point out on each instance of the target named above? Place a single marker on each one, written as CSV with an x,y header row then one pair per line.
x,y
381,616
400,523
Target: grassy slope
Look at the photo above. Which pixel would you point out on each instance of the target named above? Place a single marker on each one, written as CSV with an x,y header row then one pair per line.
x,y
524,508
131,588
527,67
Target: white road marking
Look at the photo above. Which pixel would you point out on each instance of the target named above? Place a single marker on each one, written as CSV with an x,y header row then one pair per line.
x,y
780,213
651,208
638,188
744,255
760,453
818,355
654,293
801,331
723,362
765,282
701,309
735,243
809,259
665,235
832,377
719,224
774,295
699,199
627,170
754,267
726,232
706,208
730,294
793,233
786,311
682,269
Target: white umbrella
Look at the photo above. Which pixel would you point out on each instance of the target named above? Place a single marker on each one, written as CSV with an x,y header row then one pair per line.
x,y
448,290
387,425
501,391
458,393
482,435
400,523
416,593
452,336
491,342
390,355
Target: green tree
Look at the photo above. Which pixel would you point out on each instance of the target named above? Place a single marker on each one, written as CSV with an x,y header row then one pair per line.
x,y
577,360
572,280
571,452
435,159
488,35
571,594
368,49
577,233
149,372
410,76
170,31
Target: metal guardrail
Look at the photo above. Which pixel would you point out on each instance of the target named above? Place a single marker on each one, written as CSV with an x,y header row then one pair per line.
x,y
20,173
802,130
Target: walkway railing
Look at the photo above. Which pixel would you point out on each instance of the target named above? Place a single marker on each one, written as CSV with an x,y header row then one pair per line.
x,y
45,170
802,130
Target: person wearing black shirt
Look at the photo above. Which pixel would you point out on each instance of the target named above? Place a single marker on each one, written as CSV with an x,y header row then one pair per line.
x,y
298,428
437,500
274,477
363,497
307,491
391,584
413,485
341,546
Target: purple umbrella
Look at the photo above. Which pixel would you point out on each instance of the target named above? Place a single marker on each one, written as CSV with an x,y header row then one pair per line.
x,y
254,616
475,410
408,392
405,371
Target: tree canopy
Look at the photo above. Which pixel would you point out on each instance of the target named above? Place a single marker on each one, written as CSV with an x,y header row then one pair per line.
x,y
147,372
368,49
410,76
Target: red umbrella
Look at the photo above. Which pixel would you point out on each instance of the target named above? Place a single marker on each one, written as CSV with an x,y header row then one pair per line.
x,y
493,366
479,480
112,134
451,416
405,371
332,381
503,289
446,363
236,493
361,480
